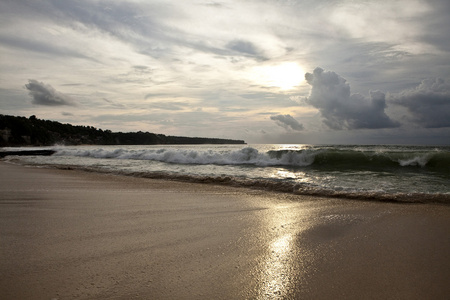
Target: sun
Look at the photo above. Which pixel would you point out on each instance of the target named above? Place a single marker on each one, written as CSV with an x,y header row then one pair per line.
x,y
284,76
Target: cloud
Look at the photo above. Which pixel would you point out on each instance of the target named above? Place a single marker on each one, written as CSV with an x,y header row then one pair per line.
x,y
340,109
436,26
44,94
149,27
428,103
41,47
169,105
243,47
113,103
288,122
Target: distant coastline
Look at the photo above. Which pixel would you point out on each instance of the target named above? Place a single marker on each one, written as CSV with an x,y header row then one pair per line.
x,y
21,131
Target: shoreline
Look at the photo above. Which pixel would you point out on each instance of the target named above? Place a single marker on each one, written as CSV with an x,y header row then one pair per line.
x,y
74,234
263,185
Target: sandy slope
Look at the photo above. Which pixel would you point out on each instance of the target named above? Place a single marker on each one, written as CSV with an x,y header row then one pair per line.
x,y
75,235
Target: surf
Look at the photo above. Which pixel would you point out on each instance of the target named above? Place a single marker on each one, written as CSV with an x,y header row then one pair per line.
x,y
362,172
319,157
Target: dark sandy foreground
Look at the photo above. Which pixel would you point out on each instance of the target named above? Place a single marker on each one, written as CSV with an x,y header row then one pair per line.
x,y
76,235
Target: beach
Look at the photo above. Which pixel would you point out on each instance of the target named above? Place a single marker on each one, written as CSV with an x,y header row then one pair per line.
x,y
70,234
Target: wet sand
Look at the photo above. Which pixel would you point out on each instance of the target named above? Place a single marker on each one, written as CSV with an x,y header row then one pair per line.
x,y
68,234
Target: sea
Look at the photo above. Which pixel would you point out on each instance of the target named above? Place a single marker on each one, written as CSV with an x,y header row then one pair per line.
x,y
364,172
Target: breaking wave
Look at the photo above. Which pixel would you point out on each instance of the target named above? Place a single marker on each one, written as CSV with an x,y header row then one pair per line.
x,y
378,173
329,158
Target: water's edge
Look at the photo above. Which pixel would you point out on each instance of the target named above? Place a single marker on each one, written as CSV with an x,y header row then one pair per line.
x,y
262,184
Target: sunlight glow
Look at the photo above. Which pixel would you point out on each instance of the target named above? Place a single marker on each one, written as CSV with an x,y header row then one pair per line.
x,y
284,76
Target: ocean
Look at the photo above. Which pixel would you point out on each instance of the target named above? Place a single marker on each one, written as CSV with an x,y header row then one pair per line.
x,y
377,172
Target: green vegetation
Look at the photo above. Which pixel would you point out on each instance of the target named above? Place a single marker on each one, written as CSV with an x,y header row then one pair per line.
x,y
21,131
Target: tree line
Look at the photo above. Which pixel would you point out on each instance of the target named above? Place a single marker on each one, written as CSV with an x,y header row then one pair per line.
x,y
22,131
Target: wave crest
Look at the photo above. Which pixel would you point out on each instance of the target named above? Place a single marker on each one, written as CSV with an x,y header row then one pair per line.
x,y
314,158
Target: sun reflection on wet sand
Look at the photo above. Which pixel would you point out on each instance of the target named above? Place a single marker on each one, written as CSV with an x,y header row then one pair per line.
x,y
277,268
282,267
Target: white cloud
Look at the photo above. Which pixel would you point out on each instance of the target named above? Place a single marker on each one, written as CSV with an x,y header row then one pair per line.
x,y
340,109
428,103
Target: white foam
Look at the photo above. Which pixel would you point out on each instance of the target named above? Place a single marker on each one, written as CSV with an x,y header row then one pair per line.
x,y
420,160
245,156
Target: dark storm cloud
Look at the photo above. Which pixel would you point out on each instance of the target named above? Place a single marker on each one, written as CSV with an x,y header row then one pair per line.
x,y
288,122
44,94
429,103
340,109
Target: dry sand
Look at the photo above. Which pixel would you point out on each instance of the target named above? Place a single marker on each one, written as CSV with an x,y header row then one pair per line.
x,y
75,235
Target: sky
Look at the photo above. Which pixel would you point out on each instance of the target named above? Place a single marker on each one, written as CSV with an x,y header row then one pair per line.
x,y
291,72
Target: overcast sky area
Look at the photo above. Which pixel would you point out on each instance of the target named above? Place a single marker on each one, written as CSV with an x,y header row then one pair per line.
x,y
311,71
